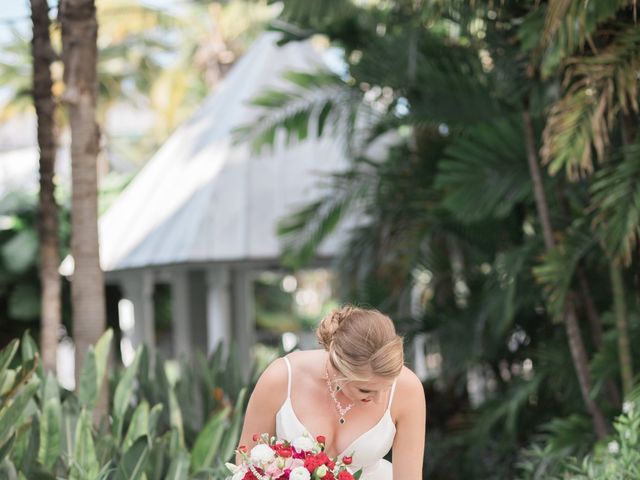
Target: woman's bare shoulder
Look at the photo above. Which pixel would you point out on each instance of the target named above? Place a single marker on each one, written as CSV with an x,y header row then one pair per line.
x,y
409,391
275,375
272,384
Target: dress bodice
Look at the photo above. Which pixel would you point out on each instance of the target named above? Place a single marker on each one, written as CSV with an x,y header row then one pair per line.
x,y
367,450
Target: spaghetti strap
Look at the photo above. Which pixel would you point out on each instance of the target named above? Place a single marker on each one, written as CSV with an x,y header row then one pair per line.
x,y
286,360
393,390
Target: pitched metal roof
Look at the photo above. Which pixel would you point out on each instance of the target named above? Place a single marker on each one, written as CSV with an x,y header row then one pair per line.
x,y
202,198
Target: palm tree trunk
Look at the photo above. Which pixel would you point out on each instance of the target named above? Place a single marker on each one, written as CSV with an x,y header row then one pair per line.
x,y
628,127
574,335
50,308
79,35
595,324
624,350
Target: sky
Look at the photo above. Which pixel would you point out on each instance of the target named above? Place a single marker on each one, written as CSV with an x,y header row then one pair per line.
x,y
14,14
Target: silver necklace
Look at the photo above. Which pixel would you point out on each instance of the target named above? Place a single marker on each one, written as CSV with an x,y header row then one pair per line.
x,y
342,411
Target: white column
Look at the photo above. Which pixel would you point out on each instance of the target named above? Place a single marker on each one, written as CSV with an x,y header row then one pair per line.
x,y
244,316
218,308
180,313
138,287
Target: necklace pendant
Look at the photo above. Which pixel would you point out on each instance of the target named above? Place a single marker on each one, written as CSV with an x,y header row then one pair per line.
x,y
341,420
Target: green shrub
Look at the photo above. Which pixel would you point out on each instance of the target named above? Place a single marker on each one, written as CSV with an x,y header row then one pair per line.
x,y
617,458
156,428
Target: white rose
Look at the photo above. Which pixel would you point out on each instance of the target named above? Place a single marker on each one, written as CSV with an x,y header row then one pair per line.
x,y
322,470
261,454
299,473
303,443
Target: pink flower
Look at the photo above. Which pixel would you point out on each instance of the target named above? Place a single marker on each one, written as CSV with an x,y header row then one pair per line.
x,y
273,470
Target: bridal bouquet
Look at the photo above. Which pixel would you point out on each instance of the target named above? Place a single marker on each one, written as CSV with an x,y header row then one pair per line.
x,y
302,459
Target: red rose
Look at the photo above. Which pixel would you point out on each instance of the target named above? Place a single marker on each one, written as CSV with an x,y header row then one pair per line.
x,y
331,464
345,476
242,448
256,437
284,451
329,476
347,460
311,463
322,458
321,439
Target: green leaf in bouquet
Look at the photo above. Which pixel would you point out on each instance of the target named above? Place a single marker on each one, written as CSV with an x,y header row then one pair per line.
x,y
134,461
208,442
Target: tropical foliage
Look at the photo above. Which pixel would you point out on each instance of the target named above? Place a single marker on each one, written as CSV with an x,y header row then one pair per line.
x,y
161,424
503,219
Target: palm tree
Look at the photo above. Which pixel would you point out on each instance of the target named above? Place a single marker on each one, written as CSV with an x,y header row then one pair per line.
x,y
600,75
79,53
50,307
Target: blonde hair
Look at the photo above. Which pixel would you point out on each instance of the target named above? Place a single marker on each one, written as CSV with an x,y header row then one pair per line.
x,y
361,343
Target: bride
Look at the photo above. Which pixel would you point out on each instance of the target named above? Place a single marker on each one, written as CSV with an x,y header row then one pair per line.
x,y
356,392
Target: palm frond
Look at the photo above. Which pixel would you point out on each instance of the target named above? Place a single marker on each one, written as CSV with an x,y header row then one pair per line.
x,y
316,99
484,172
597,88
556,271
310,16
507,408
616,202
569,24
605,364
507,289
304,230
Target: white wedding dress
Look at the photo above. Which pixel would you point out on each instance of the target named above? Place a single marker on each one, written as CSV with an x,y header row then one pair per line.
x,y
368,449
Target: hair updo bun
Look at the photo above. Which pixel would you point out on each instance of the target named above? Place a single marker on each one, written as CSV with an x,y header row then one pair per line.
x,y
330,325
361,343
